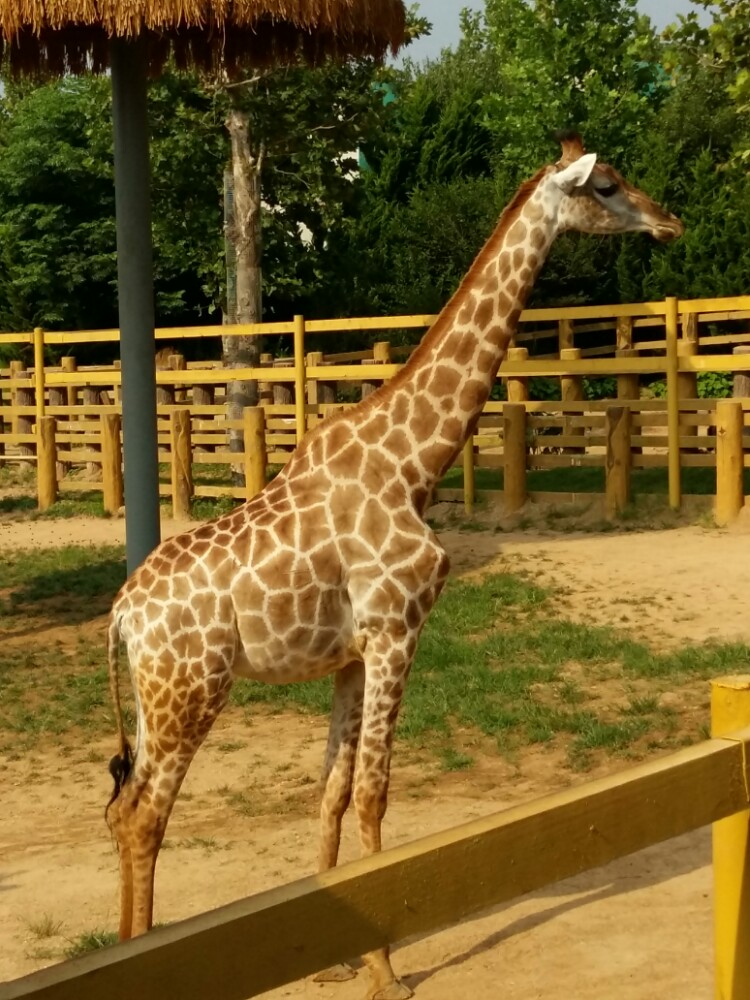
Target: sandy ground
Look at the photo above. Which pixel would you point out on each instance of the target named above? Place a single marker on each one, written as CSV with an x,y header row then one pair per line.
x,y
639,928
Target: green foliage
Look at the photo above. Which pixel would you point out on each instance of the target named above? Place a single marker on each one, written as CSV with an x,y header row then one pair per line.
x,y
714,385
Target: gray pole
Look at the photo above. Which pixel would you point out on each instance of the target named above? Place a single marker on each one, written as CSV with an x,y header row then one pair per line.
x,y
135,287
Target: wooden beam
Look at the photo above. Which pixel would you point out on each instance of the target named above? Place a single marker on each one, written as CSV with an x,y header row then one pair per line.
x,y
276,937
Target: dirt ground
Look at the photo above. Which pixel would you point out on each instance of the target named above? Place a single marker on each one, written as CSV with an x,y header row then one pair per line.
x,y
639,928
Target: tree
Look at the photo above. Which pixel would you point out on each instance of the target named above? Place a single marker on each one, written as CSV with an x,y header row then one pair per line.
x,y
57,230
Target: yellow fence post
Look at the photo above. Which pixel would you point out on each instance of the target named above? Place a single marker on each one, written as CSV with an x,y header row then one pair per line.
x,y
514,456
300,377
46,471
571,391
730,712
517,385
182,463
730,487
255,450
112,483
39,371
673,405
469,479
618,460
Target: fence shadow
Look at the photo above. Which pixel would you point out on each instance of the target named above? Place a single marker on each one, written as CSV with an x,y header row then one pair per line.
x,y
650,867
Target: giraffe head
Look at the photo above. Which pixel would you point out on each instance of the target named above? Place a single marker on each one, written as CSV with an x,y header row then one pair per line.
x,y
597,199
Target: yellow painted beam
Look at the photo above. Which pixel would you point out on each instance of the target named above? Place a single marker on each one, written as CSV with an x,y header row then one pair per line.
x,y
730,709
264,941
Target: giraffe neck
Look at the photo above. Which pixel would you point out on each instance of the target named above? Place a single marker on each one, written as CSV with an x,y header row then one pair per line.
x,y
450,375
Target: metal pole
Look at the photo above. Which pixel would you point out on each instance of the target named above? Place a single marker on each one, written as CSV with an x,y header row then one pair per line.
x,y
136,298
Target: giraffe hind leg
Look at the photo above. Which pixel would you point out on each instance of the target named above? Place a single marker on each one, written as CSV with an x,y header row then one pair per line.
x,y
173,722
337,780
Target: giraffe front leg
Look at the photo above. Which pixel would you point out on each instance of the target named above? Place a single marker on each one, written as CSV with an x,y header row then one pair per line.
x,y
337,778
387,662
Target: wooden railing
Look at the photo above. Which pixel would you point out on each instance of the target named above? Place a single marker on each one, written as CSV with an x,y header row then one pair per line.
x,y
77,406
276,937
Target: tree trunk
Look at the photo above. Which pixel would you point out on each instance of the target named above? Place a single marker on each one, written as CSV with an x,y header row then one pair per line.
x,y
243,232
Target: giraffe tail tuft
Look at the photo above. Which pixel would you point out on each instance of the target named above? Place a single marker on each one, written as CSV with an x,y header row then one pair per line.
x,y
121,764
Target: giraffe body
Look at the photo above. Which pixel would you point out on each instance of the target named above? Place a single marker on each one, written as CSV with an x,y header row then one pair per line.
x,y
331,568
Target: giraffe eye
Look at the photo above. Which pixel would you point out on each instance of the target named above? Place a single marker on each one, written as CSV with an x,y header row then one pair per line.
x,y
608,190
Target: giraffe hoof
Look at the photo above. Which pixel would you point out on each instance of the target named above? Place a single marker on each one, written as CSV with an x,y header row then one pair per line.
x,y
336,974
395,991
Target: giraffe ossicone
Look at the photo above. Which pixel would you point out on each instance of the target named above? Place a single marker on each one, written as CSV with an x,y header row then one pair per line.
x,y
331,568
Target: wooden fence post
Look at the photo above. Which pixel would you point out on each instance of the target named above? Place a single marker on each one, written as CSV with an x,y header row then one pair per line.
x,y
46,465
673,405
177,363
517,385
300,377
628,383
469,477
618,460
39,387
265,389
624,333
24,397
283,393
91,398
70,366
514,456
165,394
182,463
730,491
3,427
204,395
256,459
730,712
571,391
381,355
687,385
564,335
112,482
741,381
320,393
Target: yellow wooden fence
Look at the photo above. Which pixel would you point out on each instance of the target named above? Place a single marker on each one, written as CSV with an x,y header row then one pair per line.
x,y
276,937
677,432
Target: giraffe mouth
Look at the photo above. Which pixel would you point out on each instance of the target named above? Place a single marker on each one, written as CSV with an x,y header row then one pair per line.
x,y
669,230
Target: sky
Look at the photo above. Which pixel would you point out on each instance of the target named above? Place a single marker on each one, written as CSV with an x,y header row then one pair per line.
x,y
445,29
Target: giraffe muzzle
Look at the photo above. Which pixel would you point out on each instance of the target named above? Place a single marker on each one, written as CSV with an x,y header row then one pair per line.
x,y
668,229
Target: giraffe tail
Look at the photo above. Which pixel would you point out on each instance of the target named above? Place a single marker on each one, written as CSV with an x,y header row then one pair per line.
x,y
121,763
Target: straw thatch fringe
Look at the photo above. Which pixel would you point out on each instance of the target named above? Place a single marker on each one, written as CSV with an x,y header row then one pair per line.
x,y
50,37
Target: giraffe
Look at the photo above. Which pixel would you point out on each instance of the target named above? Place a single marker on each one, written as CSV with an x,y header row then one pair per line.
x,y
331,569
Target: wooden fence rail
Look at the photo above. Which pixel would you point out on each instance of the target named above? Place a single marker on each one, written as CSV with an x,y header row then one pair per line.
x,y
678,432
276,937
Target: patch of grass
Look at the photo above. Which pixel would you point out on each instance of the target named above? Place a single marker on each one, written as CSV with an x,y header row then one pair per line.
x,y
207,508
454,760
45,927
699,481
90,941
72,571
18,505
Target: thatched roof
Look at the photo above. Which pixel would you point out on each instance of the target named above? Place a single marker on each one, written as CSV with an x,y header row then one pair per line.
x,y
57,36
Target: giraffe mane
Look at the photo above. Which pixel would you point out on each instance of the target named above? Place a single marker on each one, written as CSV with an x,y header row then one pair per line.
x,y
448,313
450,309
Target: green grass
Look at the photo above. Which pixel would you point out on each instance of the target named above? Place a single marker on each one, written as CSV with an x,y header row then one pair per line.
x,y
90,941
496,663
698,481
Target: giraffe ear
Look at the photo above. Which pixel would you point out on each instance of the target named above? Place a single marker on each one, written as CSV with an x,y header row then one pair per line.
x,y
576,174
